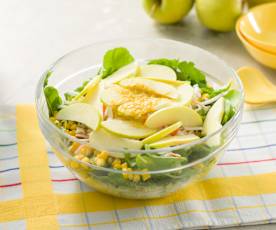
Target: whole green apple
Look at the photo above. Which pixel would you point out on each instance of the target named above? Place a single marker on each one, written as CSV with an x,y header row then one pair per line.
x,y
252,3
167,11
219,15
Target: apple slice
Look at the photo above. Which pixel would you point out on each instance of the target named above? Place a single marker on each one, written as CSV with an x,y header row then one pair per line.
x,y
113,95
157,72
124,72
212,122
150,86
186,93
80,112
162,133
104,140
130,129
172,114
173,141
88,89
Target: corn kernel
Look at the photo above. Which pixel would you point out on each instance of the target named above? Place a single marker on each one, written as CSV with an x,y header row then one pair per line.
x,y
74,164
73,126
74,147
85,159
117,166
79,156
100,162
145,177
124,165
85,150
204,96
72,133
136,178
103,155
116,161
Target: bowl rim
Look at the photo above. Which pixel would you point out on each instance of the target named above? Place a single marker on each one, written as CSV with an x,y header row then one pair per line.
x,y
230,123
261,44
244,40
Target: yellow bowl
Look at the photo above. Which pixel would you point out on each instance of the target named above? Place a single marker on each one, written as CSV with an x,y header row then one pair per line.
x,y
258,26
264,57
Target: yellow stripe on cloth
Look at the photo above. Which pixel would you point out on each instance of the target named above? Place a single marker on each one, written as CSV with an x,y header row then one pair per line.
x,y
39,202
212,189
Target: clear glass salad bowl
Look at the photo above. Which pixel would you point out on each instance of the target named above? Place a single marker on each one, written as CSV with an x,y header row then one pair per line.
x,y
81,64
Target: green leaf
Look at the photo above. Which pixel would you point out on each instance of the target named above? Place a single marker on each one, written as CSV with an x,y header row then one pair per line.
x,y
185,71
231,102
214,92
156,162
115,59
45,83
69,96
234,97
53,99
80,88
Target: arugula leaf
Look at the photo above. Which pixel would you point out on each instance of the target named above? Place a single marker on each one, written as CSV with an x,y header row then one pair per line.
x,y
214,92
114,59
80,88
231,102
45,83
53,99
185,71
70,95
155,162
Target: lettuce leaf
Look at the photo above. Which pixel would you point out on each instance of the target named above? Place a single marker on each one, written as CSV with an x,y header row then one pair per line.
x,y
53,99
214,92
155,162
231,102
185,71
115,59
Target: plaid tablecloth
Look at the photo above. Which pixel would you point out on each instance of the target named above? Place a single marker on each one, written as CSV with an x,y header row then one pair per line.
x,y
37,192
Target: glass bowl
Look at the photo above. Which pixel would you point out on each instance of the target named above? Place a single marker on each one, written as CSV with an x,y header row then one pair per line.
x,y
70,70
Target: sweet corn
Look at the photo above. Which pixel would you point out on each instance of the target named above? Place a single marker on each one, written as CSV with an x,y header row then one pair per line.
x,y
79,156
73,126
85,150
124,174
100,162
124,165
204,96
85,159
117,166
146,176
103,155
72,133
74,147
116,161
136,178
74,164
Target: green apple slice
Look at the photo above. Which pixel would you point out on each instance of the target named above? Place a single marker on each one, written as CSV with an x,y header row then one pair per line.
x,y
130,129
173,141
88,89
151,86
112,95
186,93
124,72
162,133
80,112
212,122
157,72
104,140
172,114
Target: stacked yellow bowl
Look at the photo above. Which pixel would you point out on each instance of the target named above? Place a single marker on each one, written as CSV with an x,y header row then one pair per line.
x,y
257,31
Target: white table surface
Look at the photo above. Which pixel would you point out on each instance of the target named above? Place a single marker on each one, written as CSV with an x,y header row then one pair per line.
x,y
34,33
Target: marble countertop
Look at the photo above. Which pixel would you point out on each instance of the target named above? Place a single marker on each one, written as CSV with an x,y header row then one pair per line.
x,y
36,33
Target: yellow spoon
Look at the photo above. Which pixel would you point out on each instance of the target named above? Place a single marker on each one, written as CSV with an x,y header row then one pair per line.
x,y
258,89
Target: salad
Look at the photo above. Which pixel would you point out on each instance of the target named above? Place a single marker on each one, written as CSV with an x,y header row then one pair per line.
x,y
149,105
